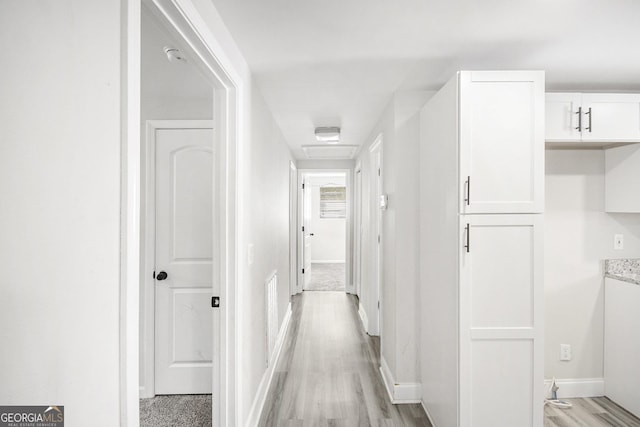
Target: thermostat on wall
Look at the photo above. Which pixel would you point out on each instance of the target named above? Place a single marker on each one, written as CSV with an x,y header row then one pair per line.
x,y
384,201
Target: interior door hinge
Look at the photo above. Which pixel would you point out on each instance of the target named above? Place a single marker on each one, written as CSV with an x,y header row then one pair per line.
x,y
303,185
303,271
154,274
303,228
378,171
378,305
378,238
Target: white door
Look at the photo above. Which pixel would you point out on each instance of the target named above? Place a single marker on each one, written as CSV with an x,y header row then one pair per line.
x,y
184,257
376,223
563,116
611,117
501,141
307,234
501,320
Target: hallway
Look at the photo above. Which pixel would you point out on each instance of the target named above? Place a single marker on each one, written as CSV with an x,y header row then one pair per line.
x,y
328,373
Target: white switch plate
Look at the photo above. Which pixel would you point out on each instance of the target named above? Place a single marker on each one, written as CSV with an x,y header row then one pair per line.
x,y
565,352
618,242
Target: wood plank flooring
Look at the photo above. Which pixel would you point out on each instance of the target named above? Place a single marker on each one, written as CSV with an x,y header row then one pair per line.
x,y
589,412
328,373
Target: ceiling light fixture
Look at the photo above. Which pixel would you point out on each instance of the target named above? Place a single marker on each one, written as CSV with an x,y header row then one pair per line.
x,y
330,135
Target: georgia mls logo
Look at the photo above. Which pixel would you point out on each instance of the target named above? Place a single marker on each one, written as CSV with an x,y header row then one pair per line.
x,y
32,416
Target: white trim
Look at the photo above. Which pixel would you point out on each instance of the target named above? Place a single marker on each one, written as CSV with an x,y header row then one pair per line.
x,y
428,414
182,18
577,387
265,384
363,317
399,392
329,261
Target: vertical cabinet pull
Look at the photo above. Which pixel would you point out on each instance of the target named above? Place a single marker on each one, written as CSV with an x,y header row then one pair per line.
x,y
467,232
579,113
467,192
590,118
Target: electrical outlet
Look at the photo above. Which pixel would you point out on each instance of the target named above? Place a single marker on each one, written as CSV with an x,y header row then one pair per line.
x,y
618,242
565,352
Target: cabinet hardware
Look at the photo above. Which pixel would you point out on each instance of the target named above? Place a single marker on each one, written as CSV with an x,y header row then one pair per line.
x,y
579,113
467,232
590,117
467,192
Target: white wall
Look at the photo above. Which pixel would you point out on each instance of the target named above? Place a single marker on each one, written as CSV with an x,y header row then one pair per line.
x,y
169,91
399,126
262,216
328,243
578,237
60,216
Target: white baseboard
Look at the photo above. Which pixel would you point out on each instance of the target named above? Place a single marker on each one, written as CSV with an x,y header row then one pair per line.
x,y
328,261
261,395
363,318
427,412
580,387
399,392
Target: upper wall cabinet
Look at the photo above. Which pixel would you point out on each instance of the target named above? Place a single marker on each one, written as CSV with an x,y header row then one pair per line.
x,y
592,119
501,141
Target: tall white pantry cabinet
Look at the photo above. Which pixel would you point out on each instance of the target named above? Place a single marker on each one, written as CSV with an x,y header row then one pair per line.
x,y
481,201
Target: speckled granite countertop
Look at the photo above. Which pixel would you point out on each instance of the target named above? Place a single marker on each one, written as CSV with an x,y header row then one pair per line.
x,y
627,270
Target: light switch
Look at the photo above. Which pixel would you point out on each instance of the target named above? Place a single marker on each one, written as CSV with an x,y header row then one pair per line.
x,y
618,242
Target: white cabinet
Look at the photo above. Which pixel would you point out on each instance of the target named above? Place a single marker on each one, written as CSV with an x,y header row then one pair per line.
x,y
501,315
481,250
622,344
501,142
594,119
622,179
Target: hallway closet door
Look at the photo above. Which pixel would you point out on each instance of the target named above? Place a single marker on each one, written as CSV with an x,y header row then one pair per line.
x,y
184,257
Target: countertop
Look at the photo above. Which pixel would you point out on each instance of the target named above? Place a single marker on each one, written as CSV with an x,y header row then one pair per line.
x,y
627,270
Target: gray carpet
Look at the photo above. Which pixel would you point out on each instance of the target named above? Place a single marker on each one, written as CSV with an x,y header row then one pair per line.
x,y
193,410
327,277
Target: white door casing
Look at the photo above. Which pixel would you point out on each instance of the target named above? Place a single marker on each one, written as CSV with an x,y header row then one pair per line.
x,y
499,170
357,224
375,316
501,320
293,228
184,251
307,234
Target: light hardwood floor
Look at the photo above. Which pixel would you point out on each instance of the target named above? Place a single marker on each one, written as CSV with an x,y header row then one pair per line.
x,y
590,412
328,373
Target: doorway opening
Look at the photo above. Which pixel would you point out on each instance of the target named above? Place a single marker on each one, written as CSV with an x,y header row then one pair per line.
x,y
324,237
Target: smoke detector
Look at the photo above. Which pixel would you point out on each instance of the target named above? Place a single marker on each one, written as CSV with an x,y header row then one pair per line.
x,y
174,54
330,135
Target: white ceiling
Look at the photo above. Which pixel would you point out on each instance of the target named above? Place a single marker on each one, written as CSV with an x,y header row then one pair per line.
x,y
337,62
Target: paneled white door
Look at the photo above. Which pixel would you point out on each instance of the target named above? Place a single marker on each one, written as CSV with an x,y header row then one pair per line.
x,y
501,320
184,257
501,142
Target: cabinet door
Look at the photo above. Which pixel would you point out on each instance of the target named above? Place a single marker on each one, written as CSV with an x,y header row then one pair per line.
x,y
501,141
501,320
613,117
562,118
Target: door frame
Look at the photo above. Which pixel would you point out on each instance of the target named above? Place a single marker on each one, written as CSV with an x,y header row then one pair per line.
x,y
357,229
183,20
376,190
293,228
148,193
348,173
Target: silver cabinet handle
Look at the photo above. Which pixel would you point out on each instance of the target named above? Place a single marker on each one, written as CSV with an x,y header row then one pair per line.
x,y
590,119
579,113
467,232
467,185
